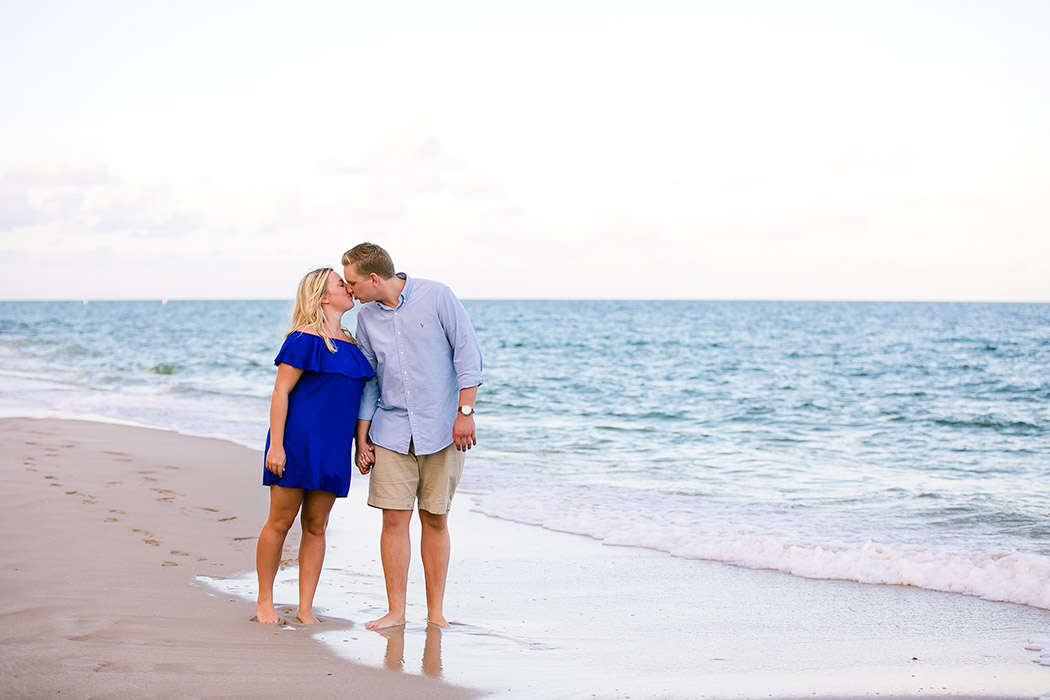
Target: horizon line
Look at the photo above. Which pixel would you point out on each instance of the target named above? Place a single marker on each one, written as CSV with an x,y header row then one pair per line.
x,y
166,300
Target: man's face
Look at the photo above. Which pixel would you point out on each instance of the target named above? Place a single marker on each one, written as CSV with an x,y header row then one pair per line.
x,y
363,287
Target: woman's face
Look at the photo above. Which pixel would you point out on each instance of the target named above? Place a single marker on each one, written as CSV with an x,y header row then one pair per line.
x,y
338,294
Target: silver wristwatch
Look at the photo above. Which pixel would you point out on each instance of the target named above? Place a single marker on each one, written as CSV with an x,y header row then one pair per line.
x,y
466,410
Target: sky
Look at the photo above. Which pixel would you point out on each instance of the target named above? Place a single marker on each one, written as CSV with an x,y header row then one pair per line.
x,y
651,149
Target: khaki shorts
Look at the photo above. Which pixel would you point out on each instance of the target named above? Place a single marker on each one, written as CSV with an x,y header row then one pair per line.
x,y
397,480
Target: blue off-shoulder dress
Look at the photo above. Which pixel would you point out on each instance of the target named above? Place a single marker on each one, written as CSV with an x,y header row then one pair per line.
x,y
322,413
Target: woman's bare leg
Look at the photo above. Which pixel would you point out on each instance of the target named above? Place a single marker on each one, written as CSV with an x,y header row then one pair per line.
x,y
316,507
284,505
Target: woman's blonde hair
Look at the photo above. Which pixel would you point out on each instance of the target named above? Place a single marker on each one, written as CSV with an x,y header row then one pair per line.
x,y
307,311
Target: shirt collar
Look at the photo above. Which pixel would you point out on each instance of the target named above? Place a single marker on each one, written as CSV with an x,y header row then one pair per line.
x,y
404,292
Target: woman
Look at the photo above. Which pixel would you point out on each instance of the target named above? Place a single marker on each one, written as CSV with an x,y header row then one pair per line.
x,y
309,449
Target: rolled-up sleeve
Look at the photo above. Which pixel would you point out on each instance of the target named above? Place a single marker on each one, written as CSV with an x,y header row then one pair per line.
x,y
466,353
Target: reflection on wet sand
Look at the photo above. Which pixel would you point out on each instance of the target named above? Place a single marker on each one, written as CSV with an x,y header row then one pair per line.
x,y
394,656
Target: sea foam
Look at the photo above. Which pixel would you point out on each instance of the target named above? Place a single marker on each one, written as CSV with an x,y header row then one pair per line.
x,y
796,547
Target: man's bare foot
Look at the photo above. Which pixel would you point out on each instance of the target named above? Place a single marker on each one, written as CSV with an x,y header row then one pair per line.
x,y
385,622
438,620
265,614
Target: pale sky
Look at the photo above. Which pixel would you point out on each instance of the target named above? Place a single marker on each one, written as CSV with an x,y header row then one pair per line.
x,y
729,149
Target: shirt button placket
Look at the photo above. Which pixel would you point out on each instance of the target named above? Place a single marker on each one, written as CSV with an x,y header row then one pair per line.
x,y
406,383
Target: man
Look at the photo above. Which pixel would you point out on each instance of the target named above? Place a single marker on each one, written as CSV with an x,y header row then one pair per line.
x,y
416,418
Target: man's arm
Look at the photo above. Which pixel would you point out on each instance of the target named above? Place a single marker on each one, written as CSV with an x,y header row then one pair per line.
x,y
466,353
370,394
466,357
463,430
366,455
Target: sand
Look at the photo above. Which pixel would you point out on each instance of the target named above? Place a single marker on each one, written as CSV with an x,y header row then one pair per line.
x,y
105,529
128,557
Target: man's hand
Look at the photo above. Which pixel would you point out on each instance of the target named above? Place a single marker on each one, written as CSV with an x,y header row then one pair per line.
x,y
366,455
463,434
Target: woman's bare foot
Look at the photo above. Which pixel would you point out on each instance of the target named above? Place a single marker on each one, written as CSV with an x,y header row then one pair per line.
x,y
265,614
307,618
388,620
438,620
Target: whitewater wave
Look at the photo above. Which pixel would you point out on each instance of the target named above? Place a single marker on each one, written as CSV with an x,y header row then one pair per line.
x,y
1002,576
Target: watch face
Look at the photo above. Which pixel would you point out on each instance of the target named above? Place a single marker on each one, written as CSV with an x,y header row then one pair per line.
x,y
466,410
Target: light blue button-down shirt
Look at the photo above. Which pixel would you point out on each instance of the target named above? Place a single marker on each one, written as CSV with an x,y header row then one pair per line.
x,y
424,351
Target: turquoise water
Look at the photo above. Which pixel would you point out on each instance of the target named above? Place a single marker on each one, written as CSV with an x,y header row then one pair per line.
x,y
877,442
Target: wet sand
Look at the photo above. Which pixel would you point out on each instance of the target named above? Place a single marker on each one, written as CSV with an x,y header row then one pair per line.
x,y
105,529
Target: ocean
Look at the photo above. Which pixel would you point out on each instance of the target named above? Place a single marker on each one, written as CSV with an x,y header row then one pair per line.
x,y
885,443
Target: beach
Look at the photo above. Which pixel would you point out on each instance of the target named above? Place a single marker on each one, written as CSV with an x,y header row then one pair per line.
x,y
129,559
106,529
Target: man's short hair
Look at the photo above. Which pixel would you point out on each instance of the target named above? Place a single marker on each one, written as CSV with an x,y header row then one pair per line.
x,y
367,258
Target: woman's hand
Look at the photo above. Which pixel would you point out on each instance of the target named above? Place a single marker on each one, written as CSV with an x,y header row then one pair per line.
x,y
275,459
366,456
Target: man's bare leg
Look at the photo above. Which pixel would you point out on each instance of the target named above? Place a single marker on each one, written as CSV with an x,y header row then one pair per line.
x,y
435,548
396,550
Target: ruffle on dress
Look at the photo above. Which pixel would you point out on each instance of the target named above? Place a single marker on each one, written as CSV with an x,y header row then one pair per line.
x,y
309,352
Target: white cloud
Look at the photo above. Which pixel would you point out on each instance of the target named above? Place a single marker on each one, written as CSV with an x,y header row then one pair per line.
x,y
55,175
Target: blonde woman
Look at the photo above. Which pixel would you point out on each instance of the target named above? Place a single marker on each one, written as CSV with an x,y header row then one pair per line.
x,y
309,448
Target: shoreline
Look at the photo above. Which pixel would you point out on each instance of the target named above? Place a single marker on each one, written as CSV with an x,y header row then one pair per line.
x,y
109,527
106,528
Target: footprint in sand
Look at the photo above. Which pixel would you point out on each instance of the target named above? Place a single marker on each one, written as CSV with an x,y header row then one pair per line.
x,y
118,512
166,499
169,563
241,539
31,443
114,483
112,520
224,520
55,483
104,666
180,553
50,477
150,478
152,543
80,638
74,493
210,510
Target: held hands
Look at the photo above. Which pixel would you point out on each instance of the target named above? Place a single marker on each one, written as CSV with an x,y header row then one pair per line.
x,y
366,456
463,433
275,459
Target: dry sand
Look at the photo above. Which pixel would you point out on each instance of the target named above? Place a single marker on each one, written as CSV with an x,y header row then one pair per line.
x,y
105,528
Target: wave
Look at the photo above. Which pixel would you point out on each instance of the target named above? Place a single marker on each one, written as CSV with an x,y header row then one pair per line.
x,y
1009,577
77,351
989,423
164,369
